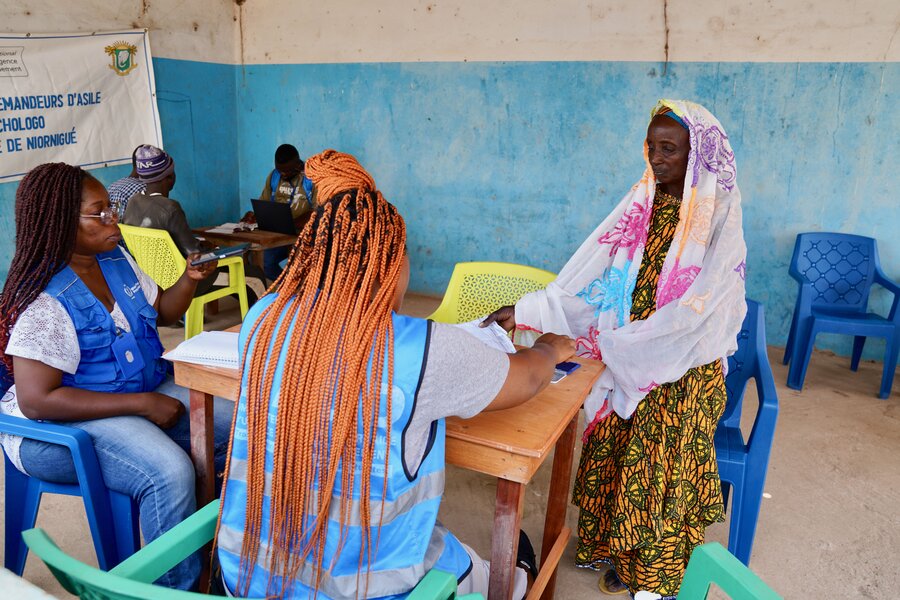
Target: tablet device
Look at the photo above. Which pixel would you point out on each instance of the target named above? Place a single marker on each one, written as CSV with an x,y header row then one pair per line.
x,y
274,216
220,253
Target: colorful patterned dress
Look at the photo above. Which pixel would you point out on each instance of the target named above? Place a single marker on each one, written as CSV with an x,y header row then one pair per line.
x,y
648,486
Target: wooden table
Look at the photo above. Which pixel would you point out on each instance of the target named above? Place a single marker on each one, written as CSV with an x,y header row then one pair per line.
x,y
259,240
510,445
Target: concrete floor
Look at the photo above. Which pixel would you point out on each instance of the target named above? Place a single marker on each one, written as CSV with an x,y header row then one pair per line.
x,y
829,525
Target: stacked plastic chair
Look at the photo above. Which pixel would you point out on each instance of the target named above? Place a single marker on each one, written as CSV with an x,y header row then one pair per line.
x,y
133,579
836,272
479,288
112,517
158,256
743,465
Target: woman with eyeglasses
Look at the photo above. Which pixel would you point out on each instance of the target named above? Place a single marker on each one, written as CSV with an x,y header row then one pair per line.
x,y
79,346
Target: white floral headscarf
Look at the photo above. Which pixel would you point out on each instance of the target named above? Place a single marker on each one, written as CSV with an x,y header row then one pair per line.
x,y
700,295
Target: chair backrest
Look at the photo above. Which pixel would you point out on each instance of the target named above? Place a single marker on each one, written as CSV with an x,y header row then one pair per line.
x,y
479,288
155,252
744,364
711,563
86,581
839,266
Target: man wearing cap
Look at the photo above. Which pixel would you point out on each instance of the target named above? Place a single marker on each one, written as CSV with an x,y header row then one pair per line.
x,y
153,207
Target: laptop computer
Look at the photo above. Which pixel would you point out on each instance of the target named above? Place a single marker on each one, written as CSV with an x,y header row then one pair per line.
x,y
274,216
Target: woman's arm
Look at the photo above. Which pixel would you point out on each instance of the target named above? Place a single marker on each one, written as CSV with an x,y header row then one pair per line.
x,y
41,395
530,370
172,303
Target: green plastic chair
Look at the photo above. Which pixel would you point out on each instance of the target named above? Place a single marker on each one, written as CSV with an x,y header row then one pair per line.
x,y
158,256
479,288
712,563
133,578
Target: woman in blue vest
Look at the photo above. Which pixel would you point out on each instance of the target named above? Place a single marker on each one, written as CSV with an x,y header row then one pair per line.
x,y
336,469
79,345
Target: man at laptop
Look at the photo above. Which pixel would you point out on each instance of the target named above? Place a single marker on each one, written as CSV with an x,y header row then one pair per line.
x,y
287,184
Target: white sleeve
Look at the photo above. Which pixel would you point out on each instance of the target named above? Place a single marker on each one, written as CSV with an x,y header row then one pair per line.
x,y
151,290
45,332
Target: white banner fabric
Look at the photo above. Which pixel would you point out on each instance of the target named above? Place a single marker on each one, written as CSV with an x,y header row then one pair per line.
x,y
83,99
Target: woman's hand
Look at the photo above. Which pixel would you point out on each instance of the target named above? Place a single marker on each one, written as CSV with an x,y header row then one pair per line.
x,y
505,316
164,411
562,345
200,271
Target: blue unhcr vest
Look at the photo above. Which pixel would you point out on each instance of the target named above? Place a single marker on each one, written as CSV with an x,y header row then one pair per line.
x,y
411,541
275,179
99,370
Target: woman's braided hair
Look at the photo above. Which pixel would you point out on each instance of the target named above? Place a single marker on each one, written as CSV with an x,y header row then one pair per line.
x,y
48,202
338,290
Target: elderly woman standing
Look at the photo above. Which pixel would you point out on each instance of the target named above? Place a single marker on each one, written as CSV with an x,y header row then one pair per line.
x,y
657,293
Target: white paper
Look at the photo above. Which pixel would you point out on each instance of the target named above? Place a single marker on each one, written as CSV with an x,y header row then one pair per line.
x,y
492,335
231,227
211,348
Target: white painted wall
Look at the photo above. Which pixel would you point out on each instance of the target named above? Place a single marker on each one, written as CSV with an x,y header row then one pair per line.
x,y
292,31
302,31
202,30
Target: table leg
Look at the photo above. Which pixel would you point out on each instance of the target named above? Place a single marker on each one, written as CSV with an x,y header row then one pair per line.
x,y
505,538
256,257
204,465
558,500
202,446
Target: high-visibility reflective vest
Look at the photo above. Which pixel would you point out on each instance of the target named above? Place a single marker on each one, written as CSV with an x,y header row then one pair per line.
x,y
410,540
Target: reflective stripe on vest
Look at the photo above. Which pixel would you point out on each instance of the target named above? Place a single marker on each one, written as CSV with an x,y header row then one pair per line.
x,y
98,370
410,542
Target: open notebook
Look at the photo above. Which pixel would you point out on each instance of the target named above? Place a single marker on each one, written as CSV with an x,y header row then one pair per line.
x,y
212,348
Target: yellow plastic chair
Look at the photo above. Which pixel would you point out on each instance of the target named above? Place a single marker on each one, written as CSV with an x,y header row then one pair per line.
x,y
158,256
479,288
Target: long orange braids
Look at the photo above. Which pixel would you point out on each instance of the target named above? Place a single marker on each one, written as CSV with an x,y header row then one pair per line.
x,y
338,286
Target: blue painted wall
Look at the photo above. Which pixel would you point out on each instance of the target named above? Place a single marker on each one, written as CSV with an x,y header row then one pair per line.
x,y
519,161
197,106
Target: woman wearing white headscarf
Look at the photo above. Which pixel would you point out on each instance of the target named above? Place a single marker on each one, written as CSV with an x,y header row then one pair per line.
x,y
657,293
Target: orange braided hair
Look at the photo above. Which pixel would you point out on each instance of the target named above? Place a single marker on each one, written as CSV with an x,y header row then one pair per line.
x,y
338,286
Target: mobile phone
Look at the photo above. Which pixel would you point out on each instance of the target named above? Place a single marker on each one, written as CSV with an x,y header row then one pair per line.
x,y
562,369
220,253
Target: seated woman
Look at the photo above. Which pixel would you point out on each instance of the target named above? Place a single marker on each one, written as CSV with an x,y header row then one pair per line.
x,y
657,293
336,469
78,339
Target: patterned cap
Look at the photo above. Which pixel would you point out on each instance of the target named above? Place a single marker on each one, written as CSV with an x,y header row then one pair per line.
x,y
153,164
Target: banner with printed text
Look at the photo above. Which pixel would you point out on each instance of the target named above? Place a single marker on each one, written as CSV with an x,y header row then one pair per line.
x,y
83,99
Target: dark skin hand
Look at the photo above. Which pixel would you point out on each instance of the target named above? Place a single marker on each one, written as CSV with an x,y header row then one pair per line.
x,y
668,148
39,386
505,317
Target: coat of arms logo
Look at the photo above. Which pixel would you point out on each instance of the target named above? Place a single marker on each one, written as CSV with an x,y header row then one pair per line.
x,y
122,54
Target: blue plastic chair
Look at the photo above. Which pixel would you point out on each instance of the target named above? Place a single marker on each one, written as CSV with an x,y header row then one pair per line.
x,y
836,272
113,517
743,466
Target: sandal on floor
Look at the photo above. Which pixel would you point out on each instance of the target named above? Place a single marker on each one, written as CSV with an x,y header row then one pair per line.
x,y
610,584
525,558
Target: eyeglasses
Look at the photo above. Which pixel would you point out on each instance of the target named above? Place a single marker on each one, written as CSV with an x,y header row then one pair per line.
x,y
107,216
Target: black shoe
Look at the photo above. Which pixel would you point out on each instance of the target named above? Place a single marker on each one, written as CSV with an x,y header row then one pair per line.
x,y
525,557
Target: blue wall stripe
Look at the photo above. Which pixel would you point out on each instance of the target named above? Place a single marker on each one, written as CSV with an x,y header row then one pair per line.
x,y
519,161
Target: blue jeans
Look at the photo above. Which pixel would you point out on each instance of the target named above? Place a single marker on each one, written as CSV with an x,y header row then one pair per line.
x,y
272,259
150,464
